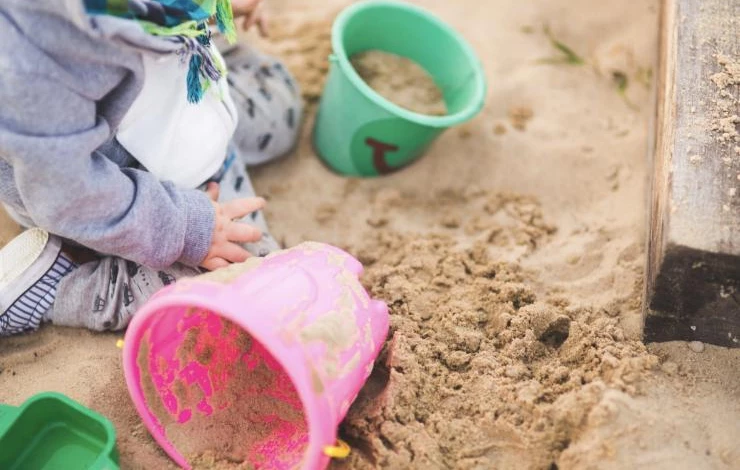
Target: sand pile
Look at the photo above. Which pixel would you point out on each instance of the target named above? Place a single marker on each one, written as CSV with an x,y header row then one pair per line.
x,y
305,47
479,372
513,222
401,81
726,122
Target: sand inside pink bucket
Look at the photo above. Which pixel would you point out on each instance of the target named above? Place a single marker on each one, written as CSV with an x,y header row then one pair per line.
x,y
253,418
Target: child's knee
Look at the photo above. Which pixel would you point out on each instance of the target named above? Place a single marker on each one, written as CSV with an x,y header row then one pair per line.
x,y
287,136
280,132
270,107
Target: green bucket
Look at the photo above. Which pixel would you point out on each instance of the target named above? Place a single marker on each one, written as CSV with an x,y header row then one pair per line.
x,y
51,432
360,133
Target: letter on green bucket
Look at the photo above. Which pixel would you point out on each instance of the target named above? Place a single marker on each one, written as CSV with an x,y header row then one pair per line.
x,y
360,133
378,148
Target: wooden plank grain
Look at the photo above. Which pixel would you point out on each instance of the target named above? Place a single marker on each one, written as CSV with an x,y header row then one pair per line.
x,y
693,271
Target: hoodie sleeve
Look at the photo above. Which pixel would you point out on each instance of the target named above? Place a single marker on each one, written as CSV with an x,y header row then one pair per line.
x,y
50,133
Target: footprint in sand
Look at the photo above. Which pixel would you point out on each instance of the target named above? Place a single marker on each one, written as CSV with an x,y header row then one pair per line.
x,y
25,349
584,262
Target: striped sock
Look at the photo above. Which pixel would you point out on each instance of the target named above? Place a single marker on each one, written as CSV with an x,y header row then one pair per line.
x,y
29,309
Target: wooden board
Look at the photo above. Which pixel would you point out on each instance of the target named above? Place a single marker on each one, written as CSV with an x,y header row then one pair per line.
x,y
693,272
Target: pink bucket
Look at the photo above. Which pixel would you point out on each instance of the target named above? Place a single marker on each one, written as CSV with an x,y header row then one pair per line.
x,y
260,369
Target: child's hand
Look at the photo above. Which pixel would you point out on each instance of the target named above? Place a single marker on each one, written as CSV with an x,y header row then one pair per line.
x,y
227,235
253,13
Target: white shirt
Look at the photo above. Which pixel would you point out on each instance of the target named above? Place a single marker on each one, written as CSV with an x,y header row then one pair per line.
x,y
175,140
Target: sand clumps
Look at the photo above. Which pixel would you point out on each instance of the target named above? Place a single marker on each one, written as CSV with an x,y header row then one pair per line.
x,y
233,271
726,121
514,223
519,117
305,47
479,373
400,80
211,461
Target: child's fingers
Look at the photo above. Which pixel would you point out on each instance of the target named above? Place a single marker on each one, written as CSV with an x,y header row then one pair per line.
x,y
213,264
247,23
244,7
233,253
238,208
253,17
213,189
243,233
263,25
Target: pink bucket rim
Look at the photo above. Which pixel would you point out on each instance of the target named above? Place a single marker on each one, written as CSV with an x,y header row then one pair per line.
x,y
317,415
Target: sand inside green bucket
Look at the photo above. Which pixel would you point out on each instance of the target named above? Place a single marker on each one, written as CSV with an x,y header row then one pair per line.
x,y
401,81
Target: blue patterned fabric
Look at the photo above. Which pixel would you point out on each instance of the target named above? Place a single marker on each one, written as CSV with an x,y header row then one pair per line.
x,y
183,21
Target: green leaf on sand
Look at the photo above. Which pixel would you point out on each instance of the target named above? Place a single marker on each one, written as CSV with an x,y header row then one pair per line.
x,y
568,56
621,80
645,76
526,29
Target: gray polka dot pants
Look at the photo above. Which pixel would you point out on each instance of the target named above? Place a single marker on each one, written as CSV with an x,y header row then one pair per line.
x,y
268,102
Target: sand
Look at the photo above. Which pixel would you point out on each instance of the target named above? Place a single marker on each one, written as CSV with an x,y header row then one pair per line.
x,y
244,409
726,121
401,81
511,256
477,364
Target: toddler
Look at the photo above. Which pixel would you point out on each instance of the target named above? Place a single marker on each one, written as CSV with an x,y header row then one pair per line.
x,y
124,141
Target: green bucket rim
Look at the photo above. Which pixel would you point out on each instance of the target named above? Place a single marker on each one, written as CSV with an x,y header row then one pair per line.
x,y
448,120
108,455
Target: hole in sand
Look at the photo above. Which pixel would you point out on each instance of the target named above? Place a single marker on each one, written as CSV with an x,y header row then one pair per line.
x,y
557,332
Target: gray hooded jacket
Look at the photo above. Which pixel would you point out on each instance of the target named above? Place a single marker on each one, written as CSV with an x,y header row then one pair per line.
x,y
66,81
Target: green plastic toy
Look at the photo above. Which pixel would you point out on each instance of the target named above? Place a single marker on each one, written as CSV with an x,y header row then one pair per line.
x,y
360,133
51,432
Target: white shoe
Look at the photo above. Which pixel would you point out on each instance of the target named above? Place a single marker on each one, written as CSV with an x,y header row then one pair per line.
x,y
31,266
